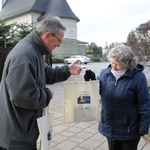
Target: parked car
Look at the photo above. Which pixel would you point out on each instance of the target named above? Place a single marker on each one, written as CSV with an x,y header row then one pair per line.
x,y
82,59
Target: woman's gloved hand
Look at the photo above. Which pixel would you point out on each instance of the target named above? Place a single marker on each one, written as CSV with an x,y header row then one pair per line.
x,y
89,75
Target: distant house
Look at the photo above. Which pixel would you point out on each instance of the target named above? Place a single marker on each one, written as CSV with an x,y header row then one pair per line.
x,y
32,11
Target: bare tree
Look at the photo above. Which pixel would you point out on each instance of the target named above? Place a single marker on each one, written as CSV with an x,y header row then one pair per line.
x,y
139,41
94,49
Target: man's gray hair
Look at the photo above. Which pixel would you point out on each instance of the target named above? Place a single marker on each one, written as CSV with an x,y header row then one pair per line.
x,y
50,24
124,55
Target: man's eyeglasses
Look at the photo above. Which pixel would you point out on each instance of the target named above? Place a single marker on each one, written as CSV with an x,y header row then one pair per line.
x,y
60,41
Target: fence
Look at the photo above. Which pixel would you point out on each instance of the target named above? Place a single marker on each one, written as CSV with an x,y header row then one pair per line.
x,y
3,54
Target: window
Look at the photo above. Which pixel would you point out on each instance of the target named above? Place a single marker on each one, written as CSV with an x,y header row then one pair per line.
x,y
71,30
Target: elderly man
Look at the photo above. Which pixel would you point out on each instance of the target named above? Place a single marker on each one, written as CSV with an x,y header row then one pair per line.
x,y
23,91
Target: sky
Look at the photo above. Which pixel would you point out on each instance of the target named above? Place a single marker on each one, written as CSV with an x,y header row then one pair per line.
x,y
107,21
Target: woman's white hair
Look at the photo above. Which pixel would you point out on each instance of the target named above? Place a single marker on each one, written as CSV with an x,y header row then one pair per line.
x,y
124,55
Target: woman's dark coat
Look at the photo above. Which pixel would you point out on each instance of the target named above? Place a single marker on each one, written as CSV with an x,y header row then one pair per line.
x,y
125,113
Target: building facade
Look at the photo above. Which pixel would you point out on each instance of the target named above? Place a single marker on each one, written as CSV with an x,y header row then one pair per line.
x,y
35,10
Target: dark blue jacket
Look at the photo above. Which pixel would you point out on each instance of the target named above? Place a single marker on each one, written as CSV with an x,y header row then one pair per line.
x,y
125,113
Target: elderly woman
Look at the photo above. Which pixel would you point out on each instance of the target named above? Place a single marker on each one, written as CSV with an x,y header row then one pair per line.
x,y
125,114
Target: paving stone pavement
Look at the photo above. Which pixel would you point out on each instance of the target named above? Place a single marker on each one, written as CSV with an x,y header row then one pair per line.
x,y
77,136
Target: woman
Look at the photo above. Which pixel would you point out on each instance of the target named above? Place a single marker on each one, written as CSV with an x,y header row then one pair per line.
x,y
125,114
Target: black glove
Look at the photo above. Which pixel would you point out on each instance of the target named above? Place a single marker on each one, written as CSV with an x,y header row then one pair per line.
x,y
89,75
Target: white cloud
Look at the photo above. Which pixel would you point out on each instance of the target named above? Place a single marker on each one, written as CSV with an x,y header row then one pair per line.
x,y
0,4
109,21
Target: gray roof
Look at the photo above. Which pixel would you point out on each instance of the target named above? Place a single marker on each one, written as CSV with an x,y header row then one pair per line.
x,y
13,8
59,8
81,42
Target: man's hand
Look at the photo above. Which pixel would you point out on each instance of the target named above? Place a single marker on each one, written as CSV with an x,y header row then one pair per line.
x,y
75,68
89,75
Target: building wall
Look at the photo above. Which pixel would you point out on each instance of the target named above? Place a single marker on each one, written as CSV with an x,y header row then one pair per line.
x,y
34,18
82,49
70,44
71,28
68,47
21,19
30,18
